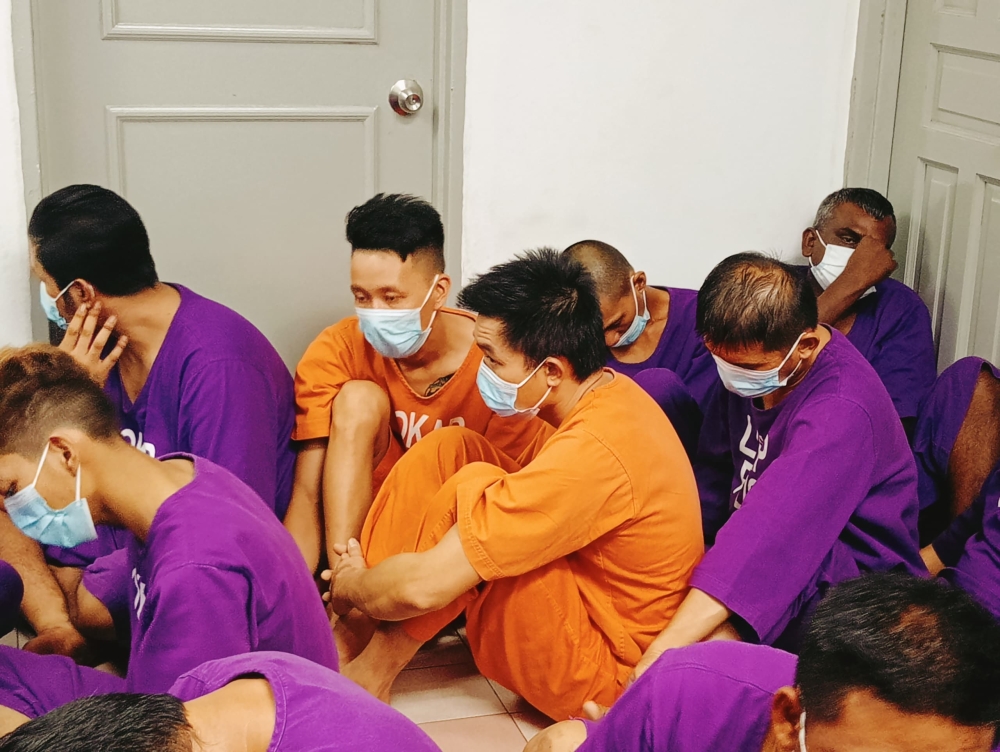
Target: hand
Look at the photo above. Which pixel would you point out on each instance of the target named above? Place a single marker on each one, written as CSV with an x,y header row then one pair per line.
x,y
86,346
870,263
594,711
350,564
62,641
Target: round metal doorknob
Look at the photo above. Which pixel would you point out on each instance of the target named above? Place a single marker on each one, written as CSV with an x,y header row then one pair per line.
x,y
406,97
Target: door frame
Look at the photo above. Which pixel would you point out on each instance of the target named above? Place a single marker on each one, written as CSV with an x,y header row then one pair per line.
x,y
451,23
874,91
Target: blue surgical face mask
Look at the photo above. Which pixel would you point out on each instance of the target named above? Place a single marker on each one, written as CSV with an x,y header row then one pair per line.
x,y
747,383
638,325
396,332
501,396
50,307
66,528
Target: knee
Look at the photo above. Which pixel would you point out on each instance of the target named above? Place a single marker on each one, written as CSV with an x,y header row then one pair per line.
x,y
562,737
360,405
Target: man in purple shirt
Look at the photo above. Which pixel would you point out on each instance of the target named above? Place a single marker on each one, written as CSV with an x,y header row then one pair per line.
x,y
263,702
804,472
957,442
650,334
889,662
849,266
212,571
185,374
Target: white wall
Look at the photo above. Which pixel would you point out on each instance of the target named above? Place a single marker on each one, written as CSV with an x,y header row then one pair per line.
x,y
15,301
679,132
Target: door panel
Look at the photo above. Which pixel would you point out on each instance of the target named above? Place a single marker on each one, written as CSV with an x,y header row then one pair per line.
x,y
945,170
242,131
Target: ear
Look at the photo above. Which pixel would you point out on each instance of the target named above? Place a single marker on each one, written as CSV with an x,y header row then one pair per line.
x,y
82,292
786,709
556,370
442,288
808,343
809,241
639,280
64,447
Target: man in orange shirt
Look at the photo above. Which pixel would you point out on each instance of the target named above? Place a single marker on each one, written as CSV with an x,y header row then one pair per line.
x,y
371,386
566,565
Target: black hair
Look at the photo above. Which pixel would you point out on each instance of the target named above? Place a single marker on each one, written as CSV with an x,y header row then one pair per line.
x,y
871,201
398,223
918,644
109,723
90,233
547,307
610,270
749,299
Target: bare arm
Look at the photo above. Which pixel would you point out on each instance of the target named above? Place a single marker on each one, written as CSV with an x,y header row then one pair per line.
x,y
405,585
566,736
931,560
871,263
699,617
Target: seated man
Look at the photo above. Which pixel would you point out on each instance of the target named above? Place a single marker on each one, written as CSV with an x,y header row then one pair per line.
x,y
263,702
566,566
371,386
870,676
651,338
33,685
194,377
850,263
957,442
212,571
804,472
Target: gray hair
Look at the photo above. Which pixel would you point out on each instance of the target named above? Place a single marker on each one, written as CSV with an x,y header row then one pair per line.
x,y
872,202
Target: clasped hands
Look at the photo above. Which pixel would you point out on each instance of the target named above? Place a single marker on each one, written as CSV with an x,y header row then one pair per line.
x,y
342,573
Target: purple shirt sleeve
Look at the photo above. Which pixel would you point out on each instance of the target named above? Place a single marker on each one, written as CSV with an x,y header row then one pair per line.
x,y
950,544
229,415
770,549
199,614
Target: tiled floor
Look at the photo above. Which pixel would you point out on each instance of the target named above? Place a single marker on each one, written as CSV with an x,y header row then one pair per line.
x,y
444,693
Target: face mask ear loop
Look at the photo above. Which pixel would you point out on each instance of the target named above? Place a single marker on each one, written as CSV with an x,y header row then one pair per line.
x,y
802,731
41,464
79,474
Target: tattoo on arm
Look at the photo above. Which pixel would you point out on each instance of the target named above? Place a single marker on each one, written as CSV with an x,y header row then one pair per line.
x,y
435,387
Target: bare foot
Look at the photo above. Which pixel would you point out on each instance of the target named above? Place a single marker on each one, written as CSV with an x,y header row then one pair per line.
x,y
63,641
352,633
380,689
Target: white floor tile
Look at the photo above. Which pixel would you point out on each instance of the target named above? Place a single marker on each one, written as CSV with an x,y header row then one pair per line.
x,y
444,693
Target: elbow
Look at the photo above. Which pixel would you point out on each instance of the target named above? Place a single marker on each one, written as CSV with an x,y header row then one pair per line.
x,y
416,599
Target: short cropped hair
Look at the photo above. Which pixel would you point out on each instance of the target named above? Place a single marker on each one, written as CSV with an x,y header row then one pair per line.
x,y
871,201
610,270
90,233
43,388
920,645
398,223
749,299
109,723
547,307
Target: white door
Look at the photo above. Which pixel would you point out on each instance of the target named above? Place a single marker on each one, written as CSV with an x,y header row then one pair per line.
x,y
243,131
945,171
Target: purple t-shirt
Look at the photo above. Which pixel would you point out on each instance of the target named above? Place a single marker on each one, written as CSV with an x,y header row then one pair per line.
x,y
218,575
971,547
35,684
217,390
680,349
940,419
708,697
315,709
817,490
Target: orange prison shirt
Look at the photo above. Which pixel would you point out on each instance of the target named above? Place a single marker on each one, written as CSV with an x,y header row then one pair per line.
x,y
613,492
341,354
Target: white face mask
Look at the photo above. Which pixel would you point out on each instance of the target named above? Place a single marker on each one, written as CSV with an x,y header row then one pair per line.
x,y
833,264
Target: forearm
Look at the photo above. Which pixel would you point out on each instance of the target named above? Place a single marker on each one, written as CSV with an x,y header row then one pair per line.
x,y
44,605
698,617
932,561
837,299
